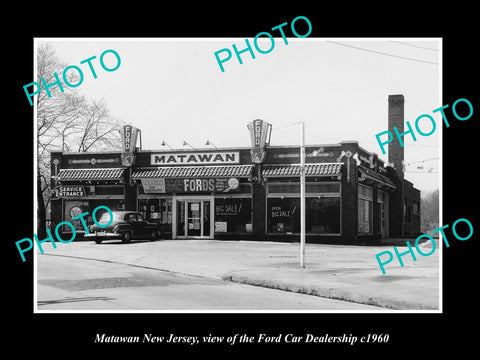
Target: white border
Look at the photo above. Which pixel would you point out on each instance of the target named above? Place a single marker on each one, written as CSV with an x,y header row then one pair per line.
x,y
306,39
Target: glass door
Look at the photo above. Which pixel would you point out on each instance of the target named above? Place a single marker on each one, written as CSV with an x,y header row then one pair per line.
x,y
206,218
181,218
194,218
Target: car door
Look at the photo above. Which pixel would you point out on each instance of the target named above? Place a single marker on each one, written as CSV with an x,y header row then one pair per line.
x,y
134,224
143,229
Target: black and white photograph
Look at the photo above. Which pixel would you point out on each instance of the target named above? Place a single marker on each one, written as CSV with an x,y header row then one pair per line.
x,y
229,180
189,183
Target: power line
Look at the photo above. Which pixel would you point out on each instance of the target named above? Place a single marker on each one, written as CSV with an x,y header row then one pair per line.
x,y
421,161
382,53
422,172
417,46
409,145
363,141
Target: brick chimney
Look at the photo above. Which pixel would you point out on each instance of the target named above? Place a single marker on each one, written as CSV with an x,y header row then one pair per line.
x,y
396,119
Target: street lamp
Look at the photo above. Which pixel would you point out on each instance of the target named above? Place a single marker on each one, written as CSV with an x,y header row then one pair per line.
x,y
185,143
210,143
165,144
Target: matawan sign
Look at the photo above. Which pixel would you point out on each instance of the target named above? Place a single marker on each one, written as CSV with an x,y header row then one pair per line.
x,y
197,158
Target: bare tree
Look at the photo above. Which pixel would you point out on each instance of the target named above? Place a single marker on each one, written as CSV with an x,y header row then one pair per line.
x,y
68,122
430,211
95,131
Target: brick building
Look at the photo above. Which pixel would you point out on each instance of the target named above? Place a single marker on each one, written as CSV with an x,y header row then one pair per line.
x,y
405,207
351,196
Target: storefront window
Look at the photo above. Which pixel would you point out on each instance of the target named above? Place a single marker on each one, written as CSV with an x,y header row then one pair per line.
x,y
233,215
364,216
408,212
365,209
73,208
322,215
158,211
283,215
381,199
322,204
416,208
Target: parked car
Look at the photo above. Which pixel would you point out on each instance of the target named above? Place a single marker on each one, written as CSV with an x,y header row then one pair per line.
x,y
126,225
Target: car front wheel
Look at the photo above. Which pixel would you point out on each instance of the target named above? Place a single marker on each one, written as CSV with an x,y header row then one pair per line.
x,y
98,241
127,237
153,235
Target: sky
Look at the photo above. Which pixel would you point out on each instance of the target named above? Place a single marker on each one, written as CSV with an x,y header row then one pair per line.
x,y
173,90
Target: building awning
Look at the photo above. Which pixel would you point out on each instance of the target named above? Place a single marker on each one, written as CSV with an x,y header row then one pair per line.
x,y
193,171
319,170
110,174
388,183
370,176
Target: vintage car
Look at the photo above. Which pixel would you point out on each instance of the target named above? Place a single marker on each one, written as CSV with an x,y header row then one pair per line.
x,y
126,225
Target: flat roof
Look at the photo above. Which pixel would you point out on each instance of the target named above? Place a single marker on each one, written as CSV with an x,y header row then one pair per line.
x,y
210,149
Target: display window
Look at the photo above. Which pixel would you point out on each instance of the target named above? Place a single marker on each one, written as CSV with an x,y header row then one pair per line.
x,y
322,208
283,215
73,208
322,215
157,211
365,209
233,215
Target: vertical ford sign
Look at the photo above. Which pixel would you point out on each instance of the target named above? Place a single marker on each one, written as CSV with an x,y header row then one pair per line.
x,y
129,140
260,132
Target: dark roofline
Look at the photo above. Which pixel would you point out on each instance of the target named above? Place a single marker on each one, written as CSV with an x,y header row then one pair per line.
x,y
209,149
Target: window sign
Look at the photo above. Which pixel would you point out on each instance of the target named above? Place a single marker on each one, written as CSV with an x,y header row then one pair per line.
x,y
236,213
216,185
220,226
322,215
151,186
70,191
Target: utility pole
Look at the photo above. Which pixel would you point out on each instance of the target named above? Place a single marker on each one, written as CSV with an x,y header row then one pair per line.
x,y
302,196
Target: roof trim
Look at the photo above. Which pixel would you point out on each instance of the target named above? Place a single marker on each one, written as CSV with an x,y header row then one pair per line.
x,y
193,171
102,174
373,176
311,169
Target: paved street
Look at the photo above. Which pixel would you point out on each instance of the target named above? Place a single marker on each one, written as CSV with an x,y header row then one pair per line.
x,y
339,272
66,283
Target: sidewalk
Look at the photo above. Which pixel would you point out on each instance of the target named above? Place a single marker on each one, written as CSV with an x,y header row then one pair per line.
x,y
352,273
341,272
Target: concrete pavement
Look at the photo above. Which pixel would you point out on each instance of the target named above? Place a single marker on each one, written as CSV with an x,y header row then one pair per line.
x,y
351,273
72,284
341,272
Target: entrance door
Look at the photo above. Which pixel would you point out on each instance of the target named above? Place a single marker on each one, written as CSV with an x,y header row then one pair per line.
x,y
193,218
180,225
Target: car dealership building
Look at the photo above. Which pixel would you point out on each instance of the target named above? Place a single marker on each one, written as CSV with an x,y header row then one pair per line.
x,y
352,196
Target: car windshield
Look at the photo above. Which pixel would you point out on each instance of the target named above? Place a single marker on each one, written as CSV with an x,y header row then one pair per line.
x,y
105,219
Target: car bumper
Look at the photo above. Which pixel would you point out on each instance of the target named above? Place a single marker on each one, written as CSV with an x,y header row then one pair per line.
x,y
102,235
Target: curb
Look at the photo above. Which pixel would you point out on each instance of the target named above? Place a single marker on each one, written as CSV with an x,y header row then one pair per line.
x,y
337,294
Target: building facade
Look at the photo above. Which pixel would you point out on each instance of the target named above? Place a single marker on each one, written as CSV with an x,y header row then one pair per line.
x,y
352,197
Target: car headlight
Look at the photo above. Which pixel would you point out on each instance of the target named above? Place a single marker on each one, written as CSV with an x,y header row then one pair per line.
x,y
115,229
